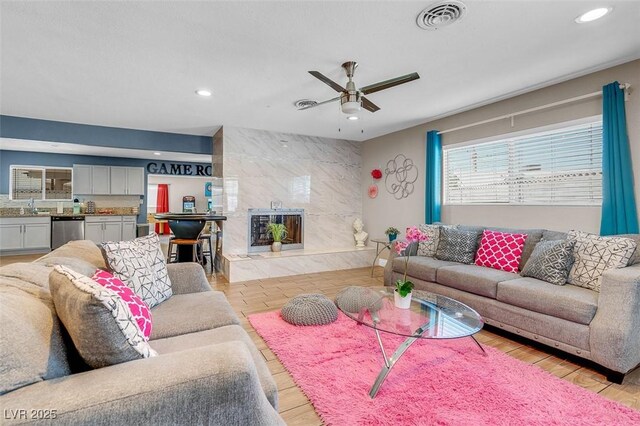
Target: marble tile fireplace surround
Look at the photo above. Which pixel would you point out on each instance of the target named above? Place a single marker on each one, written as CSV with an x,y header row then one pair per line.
x,y
319,176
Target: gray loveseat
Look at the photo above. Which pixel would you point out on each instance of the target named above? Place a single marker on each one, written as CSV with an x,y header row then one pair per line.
x,y
208,370
603,327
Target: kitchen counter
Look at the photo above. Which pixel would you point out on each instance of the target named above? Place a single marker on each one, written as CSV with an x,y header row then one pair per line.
x,y
66,214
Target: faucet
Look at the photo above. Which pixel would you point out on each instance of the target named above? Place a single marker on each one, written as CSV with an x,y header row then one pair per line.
x,y
32,205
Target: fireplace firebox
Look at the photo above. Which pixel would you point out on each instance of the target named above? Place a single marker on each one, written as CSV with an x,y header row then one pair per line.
x,y
259,240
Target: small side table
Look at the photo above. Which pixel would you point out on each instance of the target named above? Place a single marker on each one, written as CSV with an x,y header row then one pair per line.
x,y
386,244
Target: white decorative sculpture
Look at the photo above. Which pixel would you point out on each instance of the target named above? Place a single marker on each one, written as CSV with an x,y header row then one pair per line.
x,y
360,236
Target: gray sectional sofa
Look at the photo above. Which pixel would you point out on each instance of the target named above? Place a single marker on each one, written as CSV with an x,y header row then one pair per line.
x,y
603,327
208,370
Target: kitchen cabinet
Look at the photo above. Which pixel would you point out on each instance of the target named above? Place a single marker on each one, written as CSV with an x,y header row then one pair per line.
x,y
101,180
109,228
82,179
128,228
108,180
25,233
127,180
103,228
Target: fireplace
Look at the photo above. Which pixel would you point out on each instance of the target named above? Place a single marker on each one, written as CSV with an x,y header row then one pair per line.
x,y
293,219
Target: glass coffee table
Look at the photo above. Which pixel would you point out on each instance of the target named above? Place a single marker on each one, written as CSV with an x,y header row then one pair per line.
x,y
431,316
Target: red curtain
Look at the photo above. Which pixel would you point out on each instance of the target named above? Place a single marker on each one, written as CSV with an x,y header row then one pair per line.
x,y
162,206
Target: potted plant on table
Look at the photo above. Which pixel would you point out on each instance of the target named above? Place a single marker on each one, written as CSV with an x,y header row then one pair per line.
x,y
278,232
392,233
403,290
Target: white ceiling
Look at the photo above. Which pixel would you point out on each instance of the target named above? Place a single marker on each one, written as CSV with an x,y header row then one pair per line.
x,y
137,64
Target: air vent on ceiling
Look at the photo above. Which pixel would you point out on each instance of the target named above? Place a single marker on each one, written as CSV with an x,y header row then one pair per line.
x,y
302,103
441,14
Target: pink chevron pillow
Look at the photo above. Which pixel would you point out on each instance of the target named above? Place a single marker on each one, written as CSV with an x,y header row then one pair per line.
x,y
500,250
139,310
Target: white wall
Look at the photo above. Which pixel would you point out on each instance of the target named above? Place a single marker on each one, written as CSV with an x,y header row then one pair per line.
x,y
319,175
179,186
385,211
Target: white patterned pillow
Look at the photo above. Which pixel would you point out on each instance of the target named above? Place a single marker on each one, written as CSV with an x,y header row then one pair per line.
x,y
101,325
429,247
592,255
140,265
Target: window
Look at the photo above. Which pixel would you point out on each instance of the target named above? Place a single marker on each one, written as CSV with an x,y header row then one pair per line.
x,y
559,167
40,183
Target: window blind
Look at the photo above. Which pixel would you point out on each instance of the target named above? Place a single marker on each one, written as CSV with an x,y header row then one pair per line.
x,y
561,167
27,183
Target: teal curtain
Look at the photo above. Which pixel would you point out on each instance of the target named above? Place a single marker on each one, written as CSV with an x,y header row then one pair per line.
x,y
619,214
433,177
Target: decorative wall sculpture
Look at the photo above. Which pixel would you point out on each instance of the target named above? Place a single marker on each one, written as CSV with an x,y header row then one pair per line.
x,y
400,176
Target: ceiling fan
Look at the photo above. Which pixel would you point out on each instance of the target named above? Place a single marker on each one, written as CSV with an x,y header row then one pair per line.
x,y
351,98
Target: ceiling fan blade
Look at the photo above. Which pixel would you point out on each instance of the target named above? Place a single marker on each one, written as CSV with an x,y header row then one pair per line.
x,y
320,103
368,105
382,85
326,80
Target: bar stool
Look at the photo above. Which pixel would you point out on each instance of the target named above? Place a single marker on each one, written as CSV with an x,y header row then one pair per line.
x,y
209,249
196,249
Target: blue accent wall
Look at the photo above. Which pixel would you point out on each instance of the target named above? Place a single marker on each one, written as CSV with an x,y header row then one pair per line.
x,y
57,131
8,158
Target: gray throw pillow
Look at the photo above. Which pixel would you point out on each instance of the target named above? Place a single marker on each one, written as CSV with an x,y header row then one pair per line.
x,y
550,261
457,246
101,325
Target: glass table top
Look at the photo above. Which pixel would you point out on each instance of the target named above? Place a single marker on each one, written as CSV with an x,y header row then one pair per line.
x,y
431,316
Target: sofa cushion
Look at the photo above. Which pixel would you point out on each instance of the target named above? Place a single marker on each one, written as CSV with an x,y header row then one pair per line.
x,y
569,302
457,246
74,263
500,250
32,347
548,235
192,312
550,261
141,265
533,237
230,333
81,249
103,329
421,267
474,279
592,255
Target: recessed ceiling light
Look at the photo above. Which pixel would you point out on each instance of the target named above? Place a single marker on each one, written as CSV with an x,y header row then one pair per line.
x,y
592,15
157,153
352,117
203,92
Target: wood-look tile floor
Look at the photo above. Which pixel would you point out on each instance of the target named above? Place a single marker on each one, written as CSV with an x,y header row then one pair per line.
x,y
270,294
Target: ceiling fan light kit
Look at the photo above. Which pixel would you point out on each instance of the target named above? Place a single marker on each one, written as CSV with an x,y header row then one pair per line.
x,y
351,98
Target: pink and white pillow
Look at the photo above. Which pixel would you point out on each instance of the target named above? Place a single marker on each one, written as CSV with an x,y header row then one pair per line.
x,y
500,250
98,320
139,310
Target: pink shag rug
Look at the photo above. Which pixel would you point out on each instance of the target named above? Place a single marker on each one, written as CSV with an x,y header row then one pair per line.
x,y
436,382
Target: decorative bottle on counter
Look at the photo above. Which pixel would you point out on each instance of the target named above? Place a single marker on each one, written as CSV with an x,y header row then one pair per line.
x,y
76,206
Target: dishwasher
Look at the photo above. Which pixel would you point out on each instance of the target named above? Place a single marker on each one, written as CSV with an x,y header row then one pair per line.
x,y
65,229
